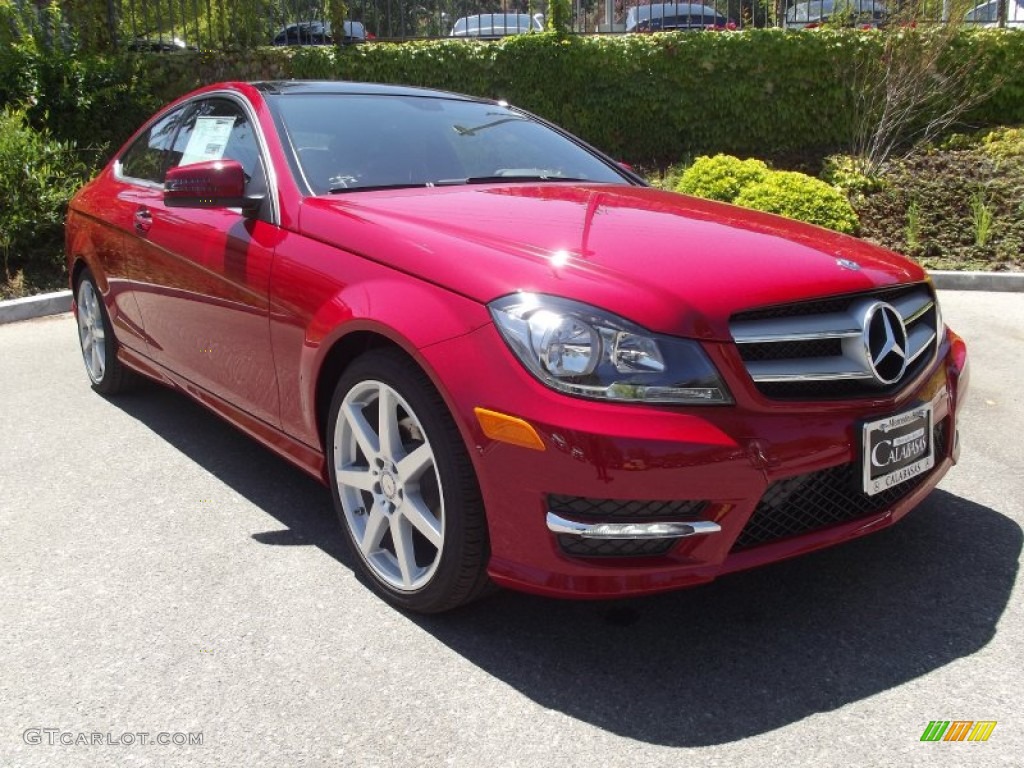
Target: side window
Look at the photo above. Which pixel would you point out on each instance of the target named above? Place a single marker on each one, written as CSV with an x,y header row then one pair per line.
x,y
144,159
218,129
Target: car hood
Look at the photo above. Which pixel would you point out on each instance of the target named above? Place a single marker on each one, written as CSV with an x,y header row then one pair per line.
x,y
671,263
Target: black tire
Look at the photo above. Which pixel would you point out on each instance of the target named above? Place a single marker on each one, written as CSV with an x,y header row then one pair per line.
x,y
107,374
431,503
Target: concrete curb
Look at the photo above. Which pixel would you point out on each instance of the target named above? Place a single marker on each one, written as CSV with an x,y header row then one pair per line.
x,y
35,306
978,281
60,301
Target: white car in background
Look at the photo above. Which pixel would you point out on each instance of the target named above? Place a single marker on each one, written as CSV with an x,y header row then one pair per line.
x,y
987,14
811,14
491,26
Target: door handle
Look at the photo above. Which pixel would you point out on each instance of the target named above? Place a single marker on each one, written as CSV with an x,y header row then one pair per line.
x,y
143,220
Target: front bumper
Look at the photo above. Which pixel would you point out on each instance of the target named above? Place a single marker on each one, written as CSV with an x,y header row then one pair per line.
x,y
720,460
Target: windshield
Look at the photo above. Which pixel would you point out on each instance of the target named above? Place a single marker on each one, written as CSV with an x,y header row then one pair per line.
x,y
349,142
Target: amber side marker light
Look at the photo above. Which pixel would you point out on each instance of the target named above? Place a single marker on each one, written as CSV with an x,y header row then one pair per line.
x,y
508,429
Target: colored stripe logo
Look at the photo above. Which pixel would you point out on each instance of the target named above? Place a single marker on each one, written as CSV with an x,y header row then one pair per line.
x,y
958,730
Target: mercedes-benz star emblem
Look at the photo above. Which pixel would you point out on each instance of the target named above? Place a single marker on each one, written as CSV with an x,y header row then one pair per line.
x,y
885,337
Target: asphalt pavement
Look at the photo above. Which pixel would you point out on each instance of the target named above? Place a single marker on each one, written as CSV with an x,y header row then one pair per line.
x,y
166,579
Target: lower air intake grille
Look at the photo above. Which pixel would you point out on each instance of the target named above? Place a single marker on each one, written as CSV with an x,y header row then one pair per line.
x,y
580,547
620,510
806,503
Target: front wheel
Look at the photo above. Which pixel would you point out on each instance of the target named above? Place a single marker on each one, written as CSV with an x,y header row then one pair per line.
x,y
404,486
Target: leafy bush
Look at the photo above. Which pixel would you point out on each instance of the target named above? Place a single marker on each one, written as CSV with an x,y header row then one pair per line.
x,y
752,184
38,175
957,141
844,172
559,18
666,178
721,177
1004,143
93,102
802,197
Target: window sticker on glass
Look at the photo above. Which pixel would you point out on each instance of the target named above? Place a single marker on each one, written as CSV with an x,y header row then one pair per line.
x,y
209,139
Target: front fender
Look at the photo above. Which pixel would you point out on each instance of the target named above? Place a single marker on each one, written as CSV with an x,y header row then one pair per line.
x,y
411,314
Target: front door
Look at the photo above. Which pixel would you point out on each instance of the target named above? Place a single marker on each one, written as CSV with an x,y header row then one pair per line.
x,y
202,286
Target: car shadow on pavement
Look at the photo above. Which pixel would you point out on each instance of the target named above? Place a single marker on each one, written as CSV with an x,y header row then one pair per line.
x,y
272,484
756,651
747,654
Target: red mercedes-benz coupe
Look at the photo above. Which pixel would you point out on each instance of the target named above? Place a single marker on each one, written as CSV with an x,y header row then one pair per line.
x,y
510,360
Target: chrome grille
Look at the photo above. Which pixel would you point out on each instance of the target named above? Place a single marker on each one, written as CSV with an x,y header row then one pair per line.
x,y
817,349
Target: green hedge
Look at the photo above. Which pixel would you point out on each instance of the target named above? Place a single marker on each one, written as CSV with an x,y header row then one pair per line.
x,y
647,99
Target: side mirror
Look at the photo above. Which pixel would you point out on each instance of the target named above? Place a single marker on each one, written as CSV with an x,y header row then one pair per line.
x,y
210,184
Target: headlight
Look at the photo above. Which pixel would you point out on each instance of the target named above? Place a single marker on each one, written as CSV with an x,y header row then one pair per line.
x,y
940,325
581,350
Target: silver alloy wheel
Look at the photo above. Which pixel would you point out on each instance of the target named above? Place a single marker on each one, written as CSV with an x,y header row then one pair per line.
x,y
91,332
389,486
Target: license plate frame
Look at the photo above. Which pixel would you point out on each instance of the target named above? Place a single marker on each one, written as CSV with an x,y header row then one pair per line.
x,y
897,448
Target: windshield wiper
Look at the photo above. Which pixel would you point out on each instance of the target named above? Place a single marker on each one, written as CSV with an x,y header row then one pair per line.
x,y
373,187
462,130
512,178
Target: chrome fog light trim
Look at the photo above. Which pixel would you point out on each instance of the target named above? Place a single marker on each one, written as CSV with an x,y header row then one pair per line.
x,y
658,530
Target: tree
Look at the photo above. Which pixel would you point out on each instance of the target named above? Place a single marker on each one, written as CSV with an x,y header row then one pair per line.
x,y
919,79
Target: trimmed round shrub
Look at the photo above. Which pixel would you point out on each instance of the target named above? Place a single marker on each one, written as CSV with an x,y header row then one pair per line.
x,y
798,196
721,177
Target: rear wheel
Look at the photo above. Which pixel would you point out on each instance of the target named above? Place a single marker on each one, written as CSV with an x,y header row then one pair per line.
x,y
96,336
404,486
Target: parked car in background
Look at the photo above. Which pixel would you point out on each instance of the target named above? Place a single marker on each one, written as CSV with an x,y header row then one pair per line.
x,y
319,33
852,13
666,17
491,26
987,14
509,359
159,44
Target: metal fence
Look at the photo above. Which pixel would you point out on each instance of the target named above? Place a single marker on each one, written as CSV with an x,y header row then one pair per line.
x,y
174,25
